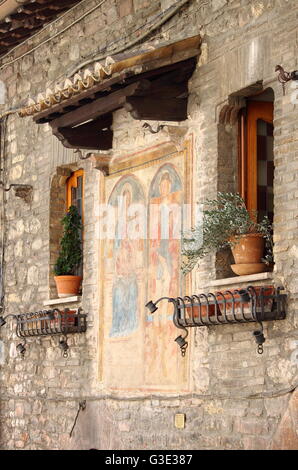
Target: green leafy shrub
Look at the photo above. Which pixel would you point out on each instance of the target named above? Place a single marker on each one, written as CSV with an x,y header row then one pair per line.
x,y
70,255
224,219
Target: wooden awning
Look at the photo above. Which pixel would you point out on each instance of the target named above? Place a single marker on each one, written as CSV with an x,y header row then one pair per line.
x,y
28,18
152,86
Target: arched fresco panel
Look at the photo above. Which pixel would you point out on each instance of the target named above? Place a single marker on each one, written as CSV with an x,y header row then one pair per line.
x,y
138,349
165,225
128,255
124,259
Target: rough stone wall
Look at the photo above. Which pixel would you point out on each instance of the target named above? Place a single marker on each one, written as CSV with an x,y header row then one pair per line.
x,y
235,400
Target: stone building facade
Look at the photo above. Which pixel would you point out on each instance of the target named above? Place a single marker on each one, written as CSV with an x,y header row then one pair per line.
x,y
232,398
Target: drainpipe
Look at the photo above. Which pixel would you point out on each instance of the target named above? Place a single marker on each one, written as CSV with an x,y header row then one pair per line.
x,y
9,6
2,213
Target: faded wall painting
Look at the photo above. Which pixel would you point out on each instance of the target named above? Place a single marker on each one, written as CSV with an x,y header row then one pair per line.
x,y
128,255
164,209
139,348
124,260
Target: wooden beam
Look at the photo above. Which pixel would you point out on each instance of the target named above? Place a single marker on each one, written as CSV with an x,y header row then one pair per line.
x,y
92,135
27,17
104,122
45,15
167,90
98,107
63,2
74,138
171,109
178,75
13,41
4,27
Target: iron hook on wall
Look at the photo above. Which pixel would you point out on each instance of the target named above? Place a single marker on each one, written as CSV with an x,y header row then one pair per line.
x,y
159,128
23,191
21,348
64,346
260,339
284,77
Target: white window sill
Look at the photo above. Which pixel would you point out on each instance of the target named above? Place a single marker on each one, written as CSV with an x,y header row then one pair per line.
x,y
241,279
63,300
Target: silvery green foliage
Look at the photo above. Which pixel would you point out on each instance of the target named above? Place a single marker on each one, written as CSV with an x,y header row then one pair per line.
x,y
224,218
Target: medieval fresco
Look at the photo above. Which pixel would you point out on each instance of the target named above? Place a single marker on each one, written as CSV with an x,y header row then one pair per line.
x,y
123,286
126,254
141,261
164,210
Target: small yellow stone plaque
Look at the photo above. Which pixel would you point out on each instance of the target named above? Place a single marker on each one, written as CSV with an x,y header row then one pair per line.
x,y
180,420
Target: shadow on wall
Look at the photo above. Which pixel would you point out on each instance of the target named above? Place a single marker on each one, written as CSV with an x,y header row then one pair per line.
x,y
96,428
286,437
101,427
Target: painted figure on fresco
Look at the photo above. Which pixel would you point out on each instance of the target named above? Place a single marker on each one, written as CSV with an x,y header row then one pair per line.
x,y
164,274
126,251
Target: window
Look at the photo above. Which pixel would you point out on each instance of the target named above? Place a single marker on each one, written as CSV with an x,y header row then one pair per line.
x,y
246,158
256,166
74,191
74,197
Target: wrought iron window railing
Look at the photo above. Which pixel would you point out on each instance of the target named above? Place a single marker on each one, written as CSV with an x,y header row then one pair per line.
x,y
253,304
48,323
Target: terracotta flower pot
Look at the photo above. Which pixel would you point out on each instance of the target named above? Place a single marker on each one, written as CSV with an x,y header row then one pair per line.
x,y
68,318
248,248
248,251
267,291
67,286
206,311
63,318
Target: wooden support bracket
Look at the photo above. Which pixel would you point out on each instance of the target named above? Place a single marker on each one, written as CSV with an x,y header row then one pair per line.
x,y
93,135
171,109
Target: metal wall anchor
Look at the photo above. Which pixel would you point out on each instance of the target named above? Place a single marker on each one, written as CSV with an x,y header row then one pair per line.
x,y
64,346
260,339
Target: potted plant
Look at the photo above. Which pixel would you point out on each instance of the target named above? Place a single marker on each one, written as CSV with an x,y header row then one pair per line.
x,y
227,223
70,255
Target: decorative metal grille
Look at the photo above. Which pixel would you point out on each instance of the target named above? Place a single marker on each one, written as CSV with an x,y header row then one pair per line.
x,y
252,304
50,322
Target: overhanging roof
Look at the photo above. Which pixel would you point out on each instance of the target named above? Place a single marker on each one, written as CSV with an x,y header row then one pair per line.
x,y
21,19
152,86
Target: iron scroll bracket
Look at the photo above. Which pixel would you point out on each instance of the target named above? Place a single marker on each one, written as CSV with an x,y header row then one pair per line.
x,y
284,77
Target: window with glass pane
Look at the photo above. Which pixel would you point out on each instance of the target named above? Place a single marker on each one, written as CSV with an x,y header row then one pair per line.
x,y
256,164
265,169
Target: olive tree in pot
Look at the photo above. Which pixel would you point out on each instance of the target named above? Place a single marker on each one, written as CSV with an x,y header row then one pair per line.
x,y
226,222
70,255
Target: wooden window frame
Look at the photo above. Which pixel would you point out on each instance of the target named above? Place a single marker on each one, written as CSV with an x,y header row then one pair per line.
x,y
72,182
248,158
